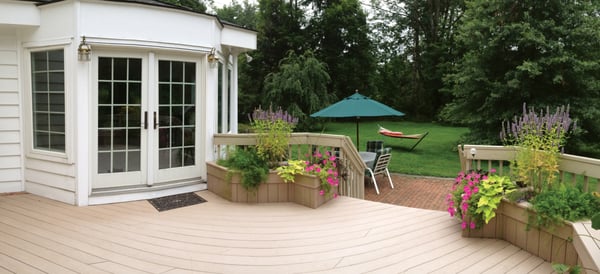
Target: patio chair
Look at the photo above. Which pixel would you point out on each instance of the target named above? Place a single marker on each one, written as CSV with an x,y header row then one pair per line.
x,y
377,147
381,167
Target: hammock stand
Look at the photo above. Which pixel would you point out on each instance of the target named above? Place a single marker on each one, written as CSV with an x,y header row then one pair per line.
x,y
397,134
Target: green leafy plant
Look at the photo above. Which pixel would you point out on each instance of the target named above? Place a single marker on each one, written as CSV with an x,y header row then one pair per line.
x,y
539,139
274,130
491,192
596,221
322,165
288,172
563,268
475,197
596,217
566,202
253,169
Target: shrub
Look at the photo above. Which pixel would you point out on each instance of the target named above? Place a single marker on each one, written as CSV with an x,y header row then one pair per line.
x,y
252,168
274,129
566,202
539,138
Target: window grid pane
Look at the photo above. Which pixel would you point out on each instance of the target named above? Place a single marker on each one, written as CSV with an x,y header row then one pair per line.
x,y
48,100
176,114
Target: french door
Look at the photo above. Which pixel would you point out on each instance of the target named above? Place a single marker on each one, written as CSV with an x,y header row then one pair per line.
x,y
145,120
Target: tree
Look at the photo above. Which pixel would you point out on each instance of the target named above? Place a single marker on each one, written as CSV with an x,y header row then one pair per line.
x,y
194,5
279,30
299,86
524,51
339,37
243,14
420,34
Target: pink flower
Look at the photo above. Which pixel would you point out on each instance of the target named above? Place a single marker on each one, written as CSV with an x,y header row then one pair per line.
x,y
472,225
463,225
467,189
322,192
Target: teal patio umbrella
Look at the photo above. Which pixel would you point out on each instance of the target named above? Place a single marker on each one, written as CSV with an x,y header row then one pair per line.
x,y
357,105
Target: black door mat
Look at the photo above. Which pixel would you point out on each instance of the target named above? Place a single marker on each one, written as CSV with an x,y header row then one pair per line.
x,y
176,201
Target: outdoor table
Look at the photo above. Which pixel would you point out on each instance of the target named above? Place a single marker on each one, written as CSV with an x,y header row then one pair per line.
x,y
368,158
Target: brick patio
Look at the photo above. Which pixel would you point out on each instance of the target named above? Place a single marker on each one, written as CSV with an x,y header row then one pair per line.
x,y
411,191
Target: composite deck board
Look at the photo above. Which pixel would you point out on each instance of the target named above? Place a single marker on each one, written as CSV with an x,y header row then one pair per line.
x,y
12,265
345,235
528,265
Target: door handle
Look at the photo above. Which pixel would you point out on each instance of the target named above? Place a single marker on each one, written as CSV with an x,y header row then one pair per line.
x,y
155,121
145,120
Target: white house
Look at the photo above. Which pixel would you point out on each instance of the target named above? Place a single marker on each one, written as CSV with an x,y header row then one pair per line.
x,y
108,101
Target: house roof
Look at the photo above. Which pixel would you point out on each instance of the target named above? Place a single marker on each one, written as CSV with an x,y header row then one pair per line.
x,y
153,3
145,2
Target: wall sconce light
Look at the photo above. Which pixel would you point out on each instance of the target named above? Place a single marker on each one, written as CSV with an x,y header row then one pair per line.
x,y
212,58
84,51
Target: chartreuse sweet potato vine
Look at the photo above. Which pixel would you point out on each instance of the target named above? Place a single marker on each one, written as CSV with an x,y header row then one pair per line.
x,y
491,191
476,195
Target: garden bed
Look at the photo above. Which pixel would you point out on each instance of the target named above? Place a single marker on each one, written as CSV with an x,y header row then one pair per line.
x,y
510,224
304,190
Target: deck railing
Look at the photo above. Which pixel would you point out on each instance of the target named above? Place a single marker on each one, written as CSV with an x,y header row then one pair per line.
x,y
572,168
351,167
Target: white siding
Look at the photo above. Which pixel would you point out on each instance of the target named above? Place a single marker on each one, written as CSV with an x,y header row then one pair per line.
x,y
11,177
51,174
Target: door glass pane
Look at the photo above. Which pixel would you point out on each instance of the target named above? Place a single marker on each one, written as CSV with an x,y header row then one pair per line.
x,y
119,112
176,111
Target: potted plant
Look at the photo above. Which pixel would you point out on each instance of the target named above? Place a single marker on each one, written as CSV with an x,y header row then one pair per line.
x,y
321,165
540,224
476,195
538,139
252,177
566,202
273,129
253,169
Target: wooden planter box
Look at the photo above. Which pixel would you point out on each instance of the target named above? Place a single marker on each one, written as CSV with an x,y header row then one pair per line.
x,y
304,190
510,224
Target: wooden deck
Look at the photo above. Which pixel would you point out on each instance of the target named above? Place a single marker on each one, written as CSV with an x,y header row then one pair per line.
x,y
344,236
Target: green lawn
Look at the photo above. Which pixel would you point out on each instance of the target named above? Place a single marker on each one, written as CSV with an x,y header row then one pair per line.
x,y
436,155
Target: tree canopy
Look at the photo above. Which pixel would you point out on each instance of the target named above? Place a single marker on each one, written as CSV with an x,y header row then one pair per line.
x,y
465,62
303,78
525,52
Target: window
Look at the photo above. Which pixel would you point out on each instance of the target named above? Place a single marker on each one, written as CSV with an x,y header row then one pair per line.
x,y
48,100
220,103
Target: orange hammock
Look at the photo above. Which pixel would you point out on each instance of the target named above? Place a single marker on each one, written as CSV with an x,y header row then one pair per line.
x,y
398,134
